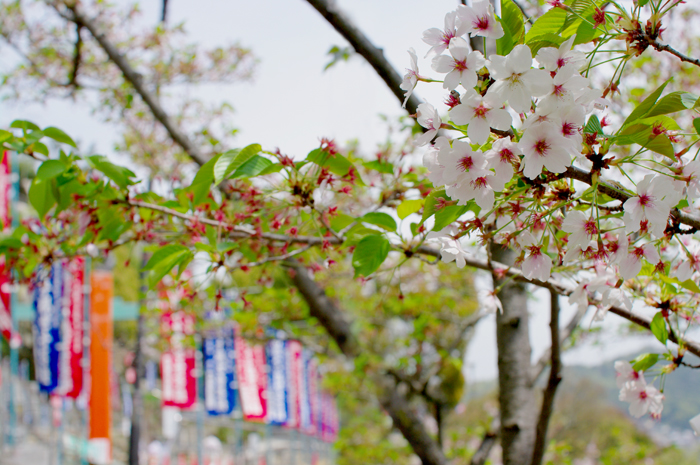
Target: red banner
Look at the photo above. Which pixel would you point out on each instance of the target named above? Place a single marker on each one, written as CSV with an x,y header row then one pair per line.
x,y
70,369
178,363
5,222
252,379
314,401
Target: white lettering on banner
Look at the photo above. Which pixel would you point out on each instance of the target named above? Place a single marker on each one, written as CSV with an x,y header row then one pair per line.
x,y
167,367
43,337
277,412
221,381
65,373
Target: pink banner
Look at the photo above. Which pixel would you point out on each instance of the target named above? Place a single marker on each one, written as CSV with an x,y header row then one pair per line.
x,y
252,379
329,418
72,302
5,222
314,400
178,363
294,371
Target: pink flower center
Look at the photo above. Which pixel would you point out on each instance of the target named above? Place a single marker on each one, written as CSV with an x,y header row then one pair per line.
x,y
561,62
465,163
447,37
506,156
535,250
638,252
541,147
559,91
568,129
460,65
479,183
643,395
480,111
645,200
590,227
482,23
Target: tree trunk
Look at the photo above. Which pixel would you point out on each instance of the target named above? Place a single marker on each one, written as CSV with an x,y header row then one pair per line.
x,y
516,396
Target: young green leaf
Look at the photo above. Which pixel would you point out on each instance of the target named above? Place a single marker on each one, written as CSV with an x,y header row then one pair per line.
x,y
658,328
121,176
644,362
646,105
59,136
230,161
41,196
251,168
380,219
408,207
369,254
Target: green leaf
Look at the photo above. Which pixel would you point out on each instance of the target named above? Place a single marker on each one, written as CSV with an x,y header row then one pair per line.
x,y
696,125
336,164
549,23
369,254
382,167
201,184
593,126
644,362
646,105
38,147
380,219
451,213
26,125
162,253
341,221
253,167
41,196
690,285
165,259
513,28
50,169
121,176
408,207
230,161
5,135
658,328
59,136
673,102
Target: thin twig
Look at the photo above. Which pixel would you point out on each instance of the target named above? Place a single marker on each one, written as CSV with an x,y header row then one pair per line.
x,y
487,443
552,385
667,48
72,81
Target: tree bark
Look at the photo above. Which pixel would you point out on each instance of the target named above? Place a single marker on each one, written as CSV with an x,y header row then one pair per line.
x,y
516,396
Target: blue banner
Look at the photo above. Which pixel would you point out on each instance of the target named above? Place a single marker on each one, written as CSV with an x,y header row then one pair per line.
x,y
220,389
47,328
277,404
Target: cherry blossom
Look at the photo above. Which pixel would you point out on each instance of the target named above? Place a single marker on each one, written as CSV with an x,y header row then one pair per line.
x,y
429,118
631,264
581,228
552,59
461,66
479,185
479,20
565,87
692,173
537,264
643,398
516,81
626,374
689,264
544,146
503,154
695,424
651,206
439,40
452,251
410,79
430,161
481,114
572,118
460,159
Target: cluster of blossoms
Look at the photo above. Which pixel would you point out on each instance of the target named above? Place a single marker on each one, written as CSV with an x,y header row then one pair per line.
x,y
525,121
634,389
524,149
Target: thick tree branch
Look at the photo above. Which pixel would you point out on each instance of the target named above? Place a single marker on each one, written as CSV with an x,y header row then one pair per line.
x,y
394,400
79,18
72,80
552,385
364,47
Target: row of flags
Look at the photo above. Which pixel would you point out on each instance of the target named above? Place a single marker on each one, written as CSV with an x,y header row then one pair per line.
x,y
277,383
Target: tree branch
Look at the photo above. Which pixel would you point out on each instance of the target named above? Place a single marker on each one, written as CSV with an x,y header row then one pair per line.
x,y
72,81
552,385
135,79
667,48
490,439
364,47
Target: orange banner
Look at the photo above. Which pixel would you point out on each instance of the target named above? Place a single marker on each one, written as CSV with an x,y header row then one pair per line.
x,y
101,332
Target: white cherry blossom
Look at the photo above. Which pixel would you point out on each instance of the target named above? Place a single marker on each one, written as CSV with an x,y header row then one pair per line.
x,y
626,374
552,58
643,398
544,146
479,186
438,39
479,20
566,85
516,81
430,161
631,264
452,251
537,264
410,79
581,228
651,206
503,154
481,114
461,66
429,118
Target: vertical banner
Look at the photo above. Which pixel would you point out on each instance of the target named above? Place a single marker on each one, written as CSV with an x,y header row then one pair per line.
x,y
305,418
71,354
293,372
177,364
220,390
277,409
329,422
5,222
252,379
101,336
47,328
313,384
